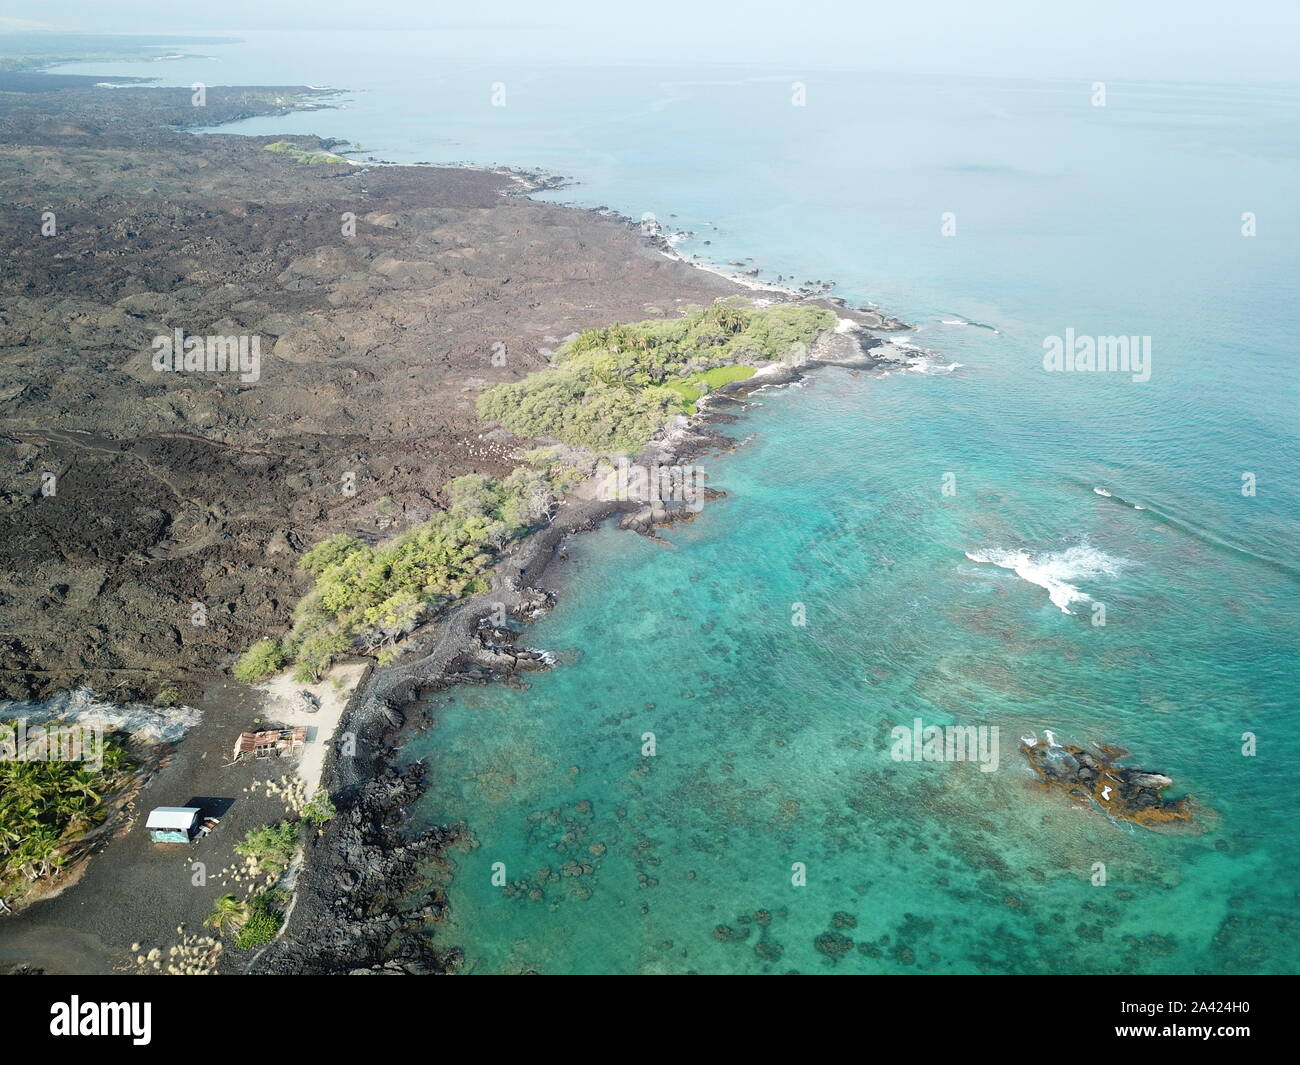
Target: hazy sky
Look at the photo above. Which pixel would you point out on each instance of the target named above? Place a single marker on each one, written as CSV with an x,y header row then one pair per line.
x,y
1173,40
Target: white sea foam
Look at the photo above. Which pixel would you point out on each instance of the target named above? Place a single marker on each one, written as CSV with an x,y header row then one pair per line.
x,y
751,283
82,706
920,360
797,383
1102,492
1054,570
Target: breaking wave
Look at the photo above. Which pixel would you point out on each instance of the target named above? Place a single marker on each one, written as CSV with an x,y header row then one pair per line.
x,y
917,359
1055,570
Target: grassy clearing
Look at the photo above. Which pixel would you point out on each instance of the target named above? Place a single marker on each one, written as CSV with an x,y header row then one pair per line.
x,y
693,388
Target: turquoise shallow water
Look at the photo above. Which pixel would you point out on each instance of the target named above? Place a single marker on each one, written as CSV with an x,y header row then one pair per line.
x,y
772,739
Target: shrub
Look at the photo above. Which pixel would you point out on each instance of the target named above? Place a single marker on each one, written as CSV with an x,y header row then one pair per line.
x,y
372,596
272,847
321,808
329,552
259,661
263,921
316,653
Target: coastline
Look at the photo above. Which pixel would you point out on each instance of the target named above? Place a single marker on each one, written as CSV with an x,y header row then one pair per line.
x,y
355,875
1002,548
358,876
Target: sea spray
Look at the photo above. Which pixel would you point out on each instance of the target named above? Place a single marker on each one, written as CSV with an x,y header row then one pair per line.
x,y
1054,570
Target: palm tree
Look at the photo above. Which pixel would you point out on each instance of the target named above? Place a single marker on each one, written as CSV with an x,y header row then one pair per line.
x,y
45,803
228,912
27,783
39,855
85,785
114,760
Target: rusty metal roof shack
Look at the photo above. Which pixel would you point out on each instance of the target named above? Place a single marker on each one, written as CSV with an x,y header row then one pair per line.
x,y
273,742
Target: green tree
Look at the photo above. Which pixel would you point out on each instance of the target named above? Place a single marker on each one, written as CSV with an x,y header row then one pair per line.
x,y
46,805
321,808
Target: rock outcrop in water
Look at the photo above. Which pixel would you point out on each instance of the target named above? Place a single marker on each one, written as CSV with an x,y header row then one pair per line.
x,y
1093,778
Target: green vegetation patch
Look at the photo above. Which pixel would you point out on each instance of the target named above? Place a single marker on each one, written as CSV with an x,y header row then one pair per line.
x,y
263,922
254,922
46,805
367,597
725,375
301,155
259,661
320,809
693,388
228,913
613,389
272,847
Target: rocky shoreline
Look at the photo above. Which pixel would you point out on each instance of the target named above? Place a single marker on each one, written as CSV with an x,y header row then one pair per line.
x,y
374,345
218,486
355,910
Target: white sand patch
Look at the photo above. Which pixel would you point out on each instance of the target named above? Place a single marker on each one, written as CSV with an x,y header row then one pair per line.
x,y
284,704
767,369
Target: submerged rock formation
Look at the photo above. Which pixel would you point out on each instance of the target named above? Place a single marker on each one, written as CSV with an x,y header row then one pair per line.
x,y
1093,778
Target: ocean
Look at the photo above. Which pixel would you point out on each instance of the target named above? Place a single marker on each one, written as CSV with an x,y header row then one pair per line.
x,y
706,785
